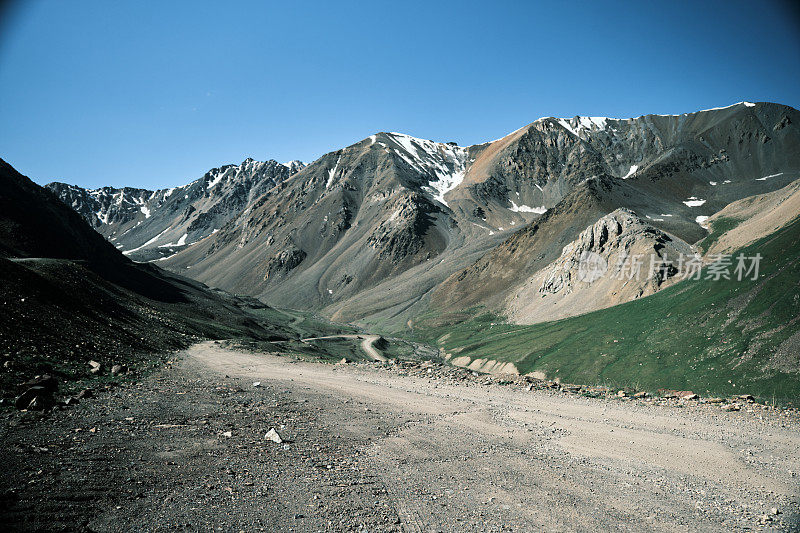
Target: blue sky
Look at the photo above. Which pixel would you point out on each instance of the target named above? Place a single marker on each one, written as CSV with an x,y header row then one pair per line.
x,y
153,94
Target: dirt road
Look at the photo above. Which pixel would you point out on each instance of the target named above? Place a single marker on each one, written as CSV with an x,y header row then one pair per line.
x,y
367,344
372,448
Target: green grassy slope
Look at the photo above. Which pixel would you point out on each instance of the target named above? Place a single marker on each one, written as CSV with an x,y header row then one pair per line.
x,y
718,337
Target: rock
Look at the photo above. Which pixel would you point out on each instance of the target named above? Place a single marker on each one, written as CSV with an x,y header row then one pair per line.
x,y
667,393
774,511
640,395
36,398
95,367
227,433
715,400
686,395
621,394
118,369
343,361
85,394
273,436
71,401
256,384
732,407
46,381
746,397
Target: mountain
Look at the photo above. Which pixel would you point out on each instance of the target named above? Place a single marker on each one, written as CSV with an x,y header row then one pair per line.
x,y
148,225
69,296
682,170
719,337
393,226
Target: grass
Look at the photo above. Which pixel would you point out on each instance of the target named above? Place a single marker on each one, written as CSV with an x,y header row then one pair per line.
x,y
712,337
718,227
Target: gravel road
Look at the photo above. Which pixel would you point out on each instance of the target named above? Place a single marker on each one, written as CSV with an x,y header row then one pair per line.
x,y
367,344
379,447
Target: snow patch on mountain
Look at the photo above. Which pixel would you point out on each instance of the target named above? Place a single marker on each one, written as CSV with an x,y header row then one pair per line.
x,y
765,178
217,177
631,172
446,162
527,209
694,202
332,173
148,243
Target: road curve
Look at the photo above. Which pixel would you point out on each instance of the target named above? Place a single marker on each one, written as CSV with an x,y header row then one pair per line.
x,y
367,344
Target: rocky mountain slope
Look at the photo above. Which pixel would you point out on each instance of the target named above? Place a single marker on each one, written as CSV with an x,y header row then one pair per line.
x,y
744,221
148,225
682,170
617,259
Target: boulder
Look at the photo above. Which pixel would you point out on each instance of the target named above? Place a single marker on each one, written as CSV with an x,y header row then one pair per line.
x,y
37,398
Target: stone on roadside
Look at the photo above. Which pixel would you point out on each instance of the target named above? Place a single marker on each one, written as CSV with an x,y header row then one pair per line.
x,y
686,395
36,398
621,394
256,384
641,394
95,367
85,394
118,369
273,436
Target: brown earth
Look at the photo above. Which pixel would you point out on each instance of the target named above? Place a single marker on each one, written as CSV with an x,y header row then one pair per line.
x,y
387,447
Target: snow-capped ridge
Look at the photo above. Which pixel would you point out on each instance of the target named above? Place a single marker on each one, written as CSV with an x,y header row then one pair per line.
x,y
447,162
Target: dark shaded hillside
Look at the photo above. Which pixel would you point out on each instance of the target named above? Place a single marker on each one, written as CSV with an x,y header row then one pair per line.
x,y
68,296
35,223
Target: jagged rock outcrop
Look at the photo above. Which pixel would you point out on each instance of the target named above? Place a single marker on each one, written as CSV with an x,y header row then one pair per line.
x,y
618,258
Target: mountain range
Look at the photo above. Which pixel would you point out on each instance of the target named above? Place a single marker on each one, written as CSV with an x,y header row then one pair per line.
x,y
394,227
148,225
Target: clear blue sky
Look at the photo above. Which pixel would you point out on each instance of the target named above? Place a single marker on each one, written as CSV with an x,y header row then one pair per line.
x,y
154,93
